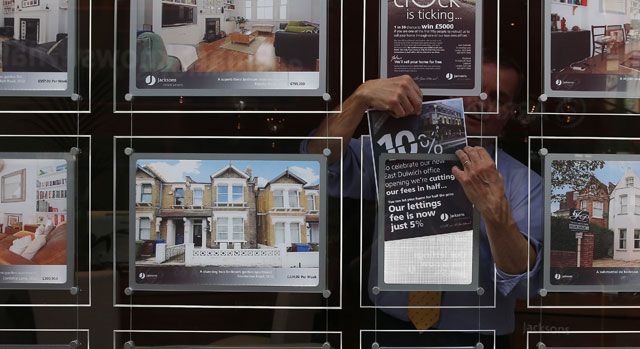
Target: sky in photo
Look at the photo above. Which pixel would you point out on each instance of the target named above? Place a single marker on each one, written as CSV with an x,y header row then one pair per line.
x,y
201,170
611,172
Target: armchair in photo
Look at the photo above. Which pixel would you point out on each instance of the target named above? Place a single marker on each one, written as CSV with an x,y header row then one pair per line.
x,y
152,56
303,47
22,56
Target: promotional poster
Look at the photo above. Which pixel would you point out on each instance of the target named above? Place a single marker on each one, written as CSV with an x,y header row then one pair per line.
x,y
437,42
202,48
234,222
592,48
428,224
36,232
37,49
591,222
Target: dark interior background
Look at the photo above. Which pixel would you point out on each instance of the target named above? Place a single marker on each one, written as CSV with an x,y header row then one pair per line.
x,y
102,318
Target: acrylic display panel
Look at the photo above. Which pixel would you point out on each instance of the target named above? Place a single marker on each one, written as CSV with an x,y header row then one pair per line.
x,y
591,50
600,83
575,287
482,297
583,339
429,339
44,339
291,51
228,222
261,255
227,340
428,234
37,203
67,245
448,33
47,57
590,227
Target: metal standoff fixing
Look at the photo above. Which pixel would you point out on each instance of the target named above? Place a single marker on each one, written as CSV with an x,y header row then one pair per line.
x,y
74,290
483,96
128,97
326,97
75,151
479,345
480,291
128,151
542,292
375,345
129,345
543,98
75,344
76,97
326,152
375,290
241,105
326,294
543,151
541,345
128,291
326,345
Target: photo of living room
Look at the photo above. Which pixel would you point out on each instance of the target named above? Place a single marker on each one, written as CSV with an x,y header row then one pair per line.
x,y
215,36
33,213
594,46
34,36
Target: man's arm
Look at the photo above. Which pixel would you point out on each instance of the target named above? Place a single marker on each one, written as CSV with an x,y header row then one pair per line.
x,y
484,187
401,96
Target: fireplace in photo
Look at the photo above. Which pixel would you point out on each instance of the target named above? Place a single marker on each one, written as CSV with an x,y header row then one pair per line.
x,y
30,30
212,29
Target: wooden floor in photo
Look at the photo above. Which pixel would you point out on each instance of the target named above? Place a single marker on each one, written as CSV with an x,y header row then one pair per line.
x,y
214,58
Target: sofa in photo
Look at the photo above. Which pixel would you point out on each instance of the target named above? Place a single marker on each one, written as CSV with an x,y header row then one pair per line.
x,y
42,248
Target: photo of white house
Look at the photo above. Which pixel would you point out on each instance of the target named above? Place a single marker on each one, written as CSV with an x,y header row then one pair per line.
x,y
34,35
227,213
207,36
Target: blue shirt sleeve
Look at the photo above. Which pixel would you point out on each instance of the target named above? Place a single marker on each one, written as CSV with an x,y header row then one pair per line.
x,y
357,163
516,178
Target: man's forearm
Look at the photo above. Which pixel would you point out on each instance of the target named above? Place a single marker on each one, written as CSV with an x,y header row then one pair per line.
x,y
341,125
510,249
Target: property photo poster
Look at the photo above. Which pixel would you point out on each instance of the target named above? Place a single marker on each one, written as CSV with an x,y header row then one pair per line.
x,y
437,42
426,225
592,48
36,221
591,223
227,222
222,48
37,47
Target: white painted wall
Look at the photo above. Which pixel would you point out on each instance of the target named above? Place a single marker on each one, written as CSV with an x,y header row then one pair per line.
x,y
586,16
298,10
52,20
627,220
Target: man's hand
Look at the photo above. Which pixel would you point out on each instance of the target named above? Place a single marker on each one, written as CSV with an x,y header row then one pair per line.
x,y
400,95
484,187
480,179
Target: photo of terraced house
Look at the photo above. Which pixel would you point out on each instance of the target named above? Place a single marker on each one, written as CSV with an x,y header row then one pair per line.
x,y
227,214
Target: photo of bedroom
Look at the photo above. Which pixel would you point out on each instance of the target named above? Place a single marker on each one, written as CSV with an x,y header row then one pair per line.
x,y
219,44
33,217
594,47
34,36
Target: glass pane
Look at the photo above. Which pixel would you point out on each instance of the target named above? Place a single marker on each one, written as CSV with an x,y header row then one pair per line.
x,y
223,193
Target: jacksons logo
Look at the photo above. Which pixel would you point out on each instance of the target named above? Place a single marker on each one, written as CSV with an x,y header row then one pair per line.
x,y
151,80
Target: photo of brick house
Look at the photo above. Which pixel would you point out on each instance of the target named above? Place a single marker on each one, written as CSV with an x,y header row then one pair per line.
x,y
613,237
234,218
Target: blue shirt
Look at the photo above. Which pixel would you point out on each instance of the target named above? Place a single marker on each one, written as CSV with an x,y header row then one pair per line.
x,y
508,287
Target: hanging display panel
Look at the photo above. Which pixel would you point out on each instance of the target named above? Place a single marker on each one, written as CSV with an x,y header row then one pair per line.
x,y
173,339
592,49
590,226
44,339
234,222
252,229
430,338
583,339
428,237
252,56
39,53
44,221
437,43
37,205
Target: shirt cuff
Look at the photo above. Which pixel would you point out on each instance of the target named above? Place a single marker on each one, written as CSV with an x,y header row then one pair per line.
x,y
506,282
